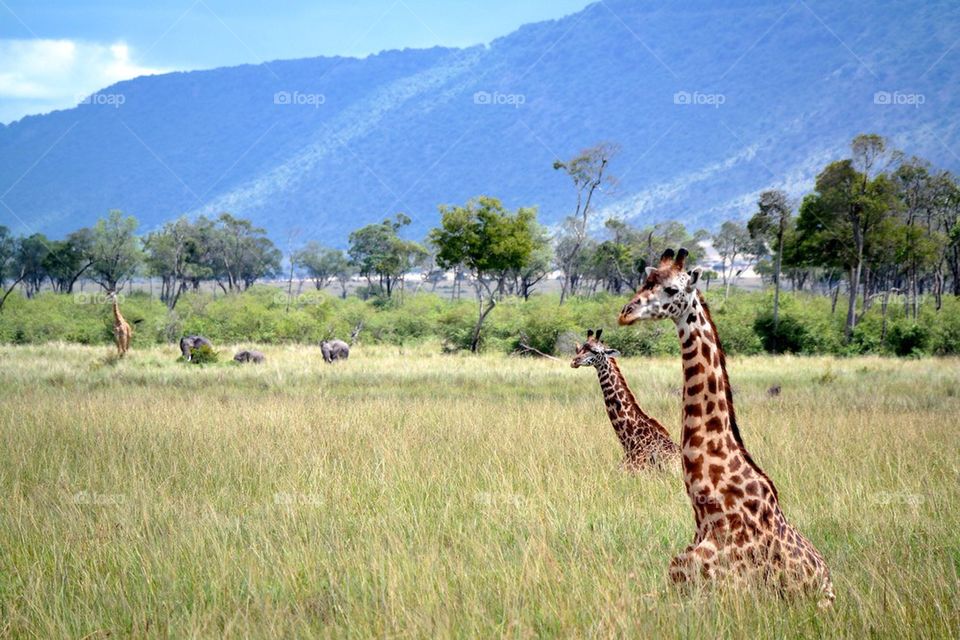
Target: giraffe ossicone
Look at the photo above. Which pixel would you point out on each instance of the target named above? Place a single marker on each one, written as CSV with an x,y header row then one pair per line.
x,y
741,532
644,440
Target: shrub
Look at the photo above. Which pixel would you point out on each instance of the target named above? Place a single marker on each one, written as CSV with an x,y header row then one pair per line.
x,y
790,336
908,338
204,354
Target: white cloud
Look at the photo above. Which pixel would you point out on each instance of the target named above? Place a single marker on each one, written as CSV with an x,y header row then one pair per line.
x,y
39,75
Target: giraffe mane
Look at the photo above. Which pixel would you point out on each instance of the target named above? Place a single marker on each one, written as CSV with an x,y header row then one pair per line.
x,y
728,392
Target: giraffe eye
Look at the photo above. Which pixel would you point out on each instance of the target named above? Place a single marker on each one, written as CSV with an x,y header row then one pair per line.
x,y
671,291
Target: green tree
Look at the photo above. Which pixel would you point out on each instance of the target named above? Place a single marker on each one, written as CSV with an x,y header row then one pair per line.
x,y
768,226
588,171
489,242
322,264
31,255
733,241
377,251
114,250
68,259
241,253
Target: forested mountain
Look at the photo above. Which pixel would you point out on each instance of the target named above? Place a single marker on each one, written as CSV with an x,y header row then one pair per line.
x,y
710,103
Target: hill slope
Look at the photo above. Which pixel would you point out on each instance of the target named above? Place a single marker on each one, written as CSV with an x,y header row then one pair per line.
x,y
323,145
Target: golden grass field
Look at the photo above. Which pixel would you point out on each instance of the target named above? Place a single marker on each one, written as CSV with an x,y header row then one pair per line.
x,y
405,493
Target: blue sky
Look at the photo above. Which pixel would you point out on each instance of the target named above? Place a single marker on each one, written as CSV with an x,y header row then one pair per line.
x,y
54,52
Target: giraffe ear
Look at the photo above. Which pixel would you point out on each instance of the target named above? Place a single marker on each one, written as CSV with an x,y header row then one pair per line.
x,y
694,274
649,270
589,333
599,333
612,353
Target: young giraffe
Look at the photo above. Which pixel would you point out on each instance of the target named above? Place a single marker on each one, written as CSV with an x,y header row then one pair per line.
x,y
121,328
741,531
645,442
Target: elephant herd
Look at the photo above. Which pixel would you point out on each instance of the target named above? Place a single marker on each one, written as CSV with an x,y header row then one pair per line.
x,y
332,350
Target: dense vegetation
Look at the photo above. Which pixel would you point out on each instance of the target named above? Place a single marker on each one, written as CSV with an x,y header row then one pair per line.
x,y
880,228
267,315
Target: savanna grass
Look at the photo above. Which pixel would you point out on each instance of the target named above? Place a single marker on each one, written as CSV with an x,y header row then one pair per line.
x,y
408,493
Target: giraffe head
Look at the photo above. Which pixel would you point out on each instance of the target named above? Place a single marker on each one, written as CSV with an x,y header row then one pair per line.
x,y
667,291
593,353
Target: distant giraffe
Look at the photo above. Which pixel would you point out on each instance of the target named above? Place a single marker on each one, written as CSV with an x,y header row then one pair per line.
x,y
121,328
741,530
645,442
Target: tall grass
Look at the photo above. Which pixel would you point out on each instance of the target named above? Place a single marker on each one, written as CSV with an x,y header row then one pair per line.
x,y
407,493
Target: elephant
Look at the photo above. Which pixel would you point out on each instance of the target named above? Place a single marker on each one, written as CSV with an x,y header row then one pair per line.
x,y
249,355
334,350
192,342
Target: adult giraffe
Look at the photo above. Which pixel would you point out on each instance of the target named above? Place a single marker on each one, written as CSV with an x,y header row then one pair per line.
x,y
121,328
741,530
645,442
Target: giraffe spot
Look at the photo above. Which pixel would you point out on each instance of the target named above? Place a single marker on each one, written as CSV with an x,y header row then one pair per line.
x,y
688,342
691,318
702,319
695,370
716,472
736,462
693,410
695,389
695,441
714,424
715,449
732,494
753,506
736,480
712,383
705,350
716,360
766,517
695,468
722,405
752,486
711,405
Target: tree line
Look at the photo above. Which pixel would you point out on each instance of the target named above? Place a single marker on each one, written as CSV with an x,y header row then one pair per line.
x,y
877,224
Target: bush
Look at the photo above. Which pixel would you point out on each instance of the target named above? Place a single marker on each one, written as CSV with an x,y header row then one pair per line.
x,y
204,354
907,338
790,336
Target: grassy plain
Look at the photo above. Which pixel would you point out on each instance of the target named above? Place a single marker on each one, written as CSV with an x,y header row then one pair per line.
x,y
405,493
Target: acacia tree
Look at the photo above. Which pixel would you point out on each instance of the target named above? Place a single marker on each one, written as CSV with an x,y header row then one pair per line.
x,y
241,253
377,250
68,259
732,241
322,264
769,226
588,172
114,250
489,242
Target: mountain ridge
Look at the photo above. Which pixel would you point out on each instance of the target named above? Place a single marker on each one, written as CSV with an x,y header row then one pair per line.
x,y
772,91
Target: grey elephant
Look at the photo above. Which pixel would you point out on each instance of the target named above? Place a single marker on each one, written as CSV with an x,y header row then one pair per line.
x,y
334,350
249,355
192,342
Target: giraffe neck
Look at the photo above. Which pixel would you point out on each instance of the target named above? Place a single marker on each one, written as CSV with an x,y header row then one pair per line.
x,y
116,311
714,457
625,414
